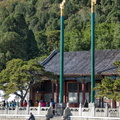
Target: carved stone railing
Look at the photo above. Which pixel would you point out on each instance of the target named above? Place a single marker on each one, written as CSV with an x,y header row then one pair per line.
x,y
74,111
85,111
113,112
100,112
94,112
24,110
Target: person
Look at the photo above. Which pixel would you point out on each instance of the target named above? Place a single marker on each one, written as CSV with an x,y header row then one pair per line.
x,y
30,103
53,103
14,103
3,103
43,103
36,104
11,104
25,104
31,116
47,104
85,103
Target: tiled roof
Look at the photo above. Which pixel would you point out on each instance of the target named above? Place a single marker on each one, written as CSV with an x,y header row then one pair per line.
x,y
78,63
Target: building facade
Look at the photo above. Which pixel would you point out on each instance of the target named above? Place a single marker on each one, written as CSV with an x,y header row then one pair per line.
x,y
77,82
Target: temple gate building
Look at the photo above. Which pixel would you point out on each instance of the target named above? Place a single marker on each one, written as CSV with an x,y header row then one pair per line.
x,y
77,72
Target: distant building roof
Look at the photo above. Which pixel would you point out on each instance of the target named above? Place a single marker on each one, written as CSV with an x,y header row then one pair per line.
x,y
78,63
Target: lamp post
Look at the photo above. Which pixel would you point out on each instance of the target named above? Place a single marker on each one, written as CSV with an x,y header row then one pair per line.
x,y
61,50
93,2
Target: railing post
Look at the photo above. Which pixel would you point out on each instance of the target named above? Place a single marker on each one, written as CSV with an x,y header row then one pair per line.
x,y
6,110
106,110
28,109
119,111
80,109
16,109
92,109
39,109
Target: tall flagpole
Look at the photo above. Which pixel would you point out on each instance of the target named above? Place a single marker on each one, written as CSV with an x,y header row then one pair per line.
x,y
62,50
93,2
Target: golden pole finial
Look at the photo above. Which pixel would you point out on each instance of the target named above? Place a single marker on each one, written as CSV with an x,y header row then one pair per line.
x,y
93,2
62,7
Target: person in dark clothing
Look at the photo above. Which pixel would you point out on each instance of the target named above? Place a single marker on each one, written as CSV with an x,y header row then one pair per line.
x,y
86,104
31,117
4,104
53,103
31,103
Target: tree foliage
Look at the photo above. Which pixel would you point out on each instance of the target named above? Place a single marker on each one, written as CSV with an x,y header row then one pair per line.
x,y
109,87
34,22
53,40
19,76
16,40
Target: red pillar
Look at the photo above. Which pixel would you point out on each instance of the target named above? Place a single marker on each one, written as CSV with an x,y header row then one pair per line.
x,y
113,102
57,92
83,91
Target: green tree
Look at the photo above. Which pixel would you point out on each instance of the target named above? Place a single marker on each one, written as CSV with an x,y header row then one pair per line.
x,y
20,16
104,36
19,76
33,22
2,60
11,46
20,8
105,88
116,37
3,14
13,43
16,28
109,87
85,40
33,2
53,38
73,40
41,39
